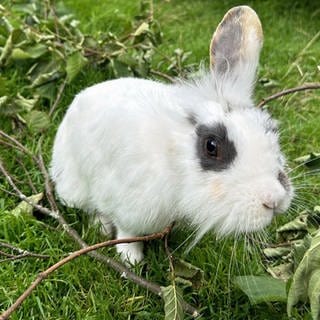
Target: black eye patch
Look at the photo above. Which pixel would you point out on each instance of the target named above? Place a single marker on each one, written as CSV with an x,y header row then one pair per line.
x,y
214,149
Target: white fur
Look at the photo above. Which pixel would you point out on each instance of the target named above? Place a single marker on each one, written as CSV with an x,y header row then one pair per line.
x,y
126,150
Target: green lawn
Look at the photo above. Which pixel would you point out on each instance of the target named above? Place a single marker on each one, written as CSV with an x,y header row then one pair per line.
x,y
84,288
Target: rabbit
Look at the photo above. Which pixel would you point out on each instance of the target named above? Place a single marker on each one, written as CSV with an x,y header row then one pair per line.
x,y
142,154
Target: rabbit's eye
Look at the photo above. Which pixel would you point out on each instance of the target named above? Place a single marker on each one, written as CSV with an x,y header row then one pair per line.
x,y
211,147
214,148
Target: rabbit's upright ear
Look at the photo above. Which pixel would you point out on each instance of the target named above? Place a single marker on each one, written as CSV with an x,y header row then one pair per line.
x,y
235,49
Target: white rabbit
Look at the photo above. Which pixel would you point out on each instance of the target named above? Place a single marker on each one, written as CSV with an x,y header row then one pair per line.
x,y
142,154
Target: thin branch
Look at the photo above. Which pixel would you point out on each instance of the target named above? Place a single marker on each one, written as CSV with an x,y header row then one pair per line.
x,y
43,275
169,254
17,145
162,75
5,254
31,185
8,144
23,256
21,253
123,270
59,95
47,182
311,86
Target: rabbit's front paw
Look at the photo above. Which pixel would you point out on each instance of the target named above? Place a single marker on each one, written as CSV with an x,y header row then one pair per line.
x,y
131,253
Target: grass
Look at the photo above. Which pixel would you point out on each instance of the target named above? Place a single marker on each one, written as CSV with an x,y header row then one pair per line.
x,y
84,289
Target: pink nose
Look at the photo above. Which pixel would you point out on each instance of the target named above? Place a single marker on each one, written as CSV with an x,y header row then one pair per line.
x,y
269,204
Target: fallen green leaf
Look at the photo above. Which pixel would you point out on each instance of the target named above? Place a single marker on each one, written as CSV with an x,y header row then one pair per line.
x,y
25,208
37,121
45,78
314,294
3,100
32,52
262,288
191,274
299,223
144,27
75,63
6,51
295,229
172,297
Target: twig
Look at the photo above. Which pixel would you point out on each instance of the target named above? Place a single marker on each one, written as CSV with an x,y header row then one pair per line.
x,y
123,270
17,145
43,275
22,256
5,254
162,75
277,95
31,185
58,98
8,144
14,258
21,253
47,182
169,254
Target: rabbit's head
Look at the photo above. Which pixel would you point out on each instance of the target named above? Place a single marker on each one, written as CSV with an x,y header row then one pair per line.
x,y
237,179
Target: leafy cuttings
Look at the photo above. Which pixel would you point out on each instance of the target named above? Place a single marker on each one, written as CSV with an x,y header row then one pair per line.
x,y
297,257
172,296
262,288
43,43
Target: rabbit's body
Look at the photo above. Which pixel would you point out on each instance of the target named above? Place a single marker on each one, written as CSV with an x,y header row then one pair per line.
x,y
143,154
126,151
